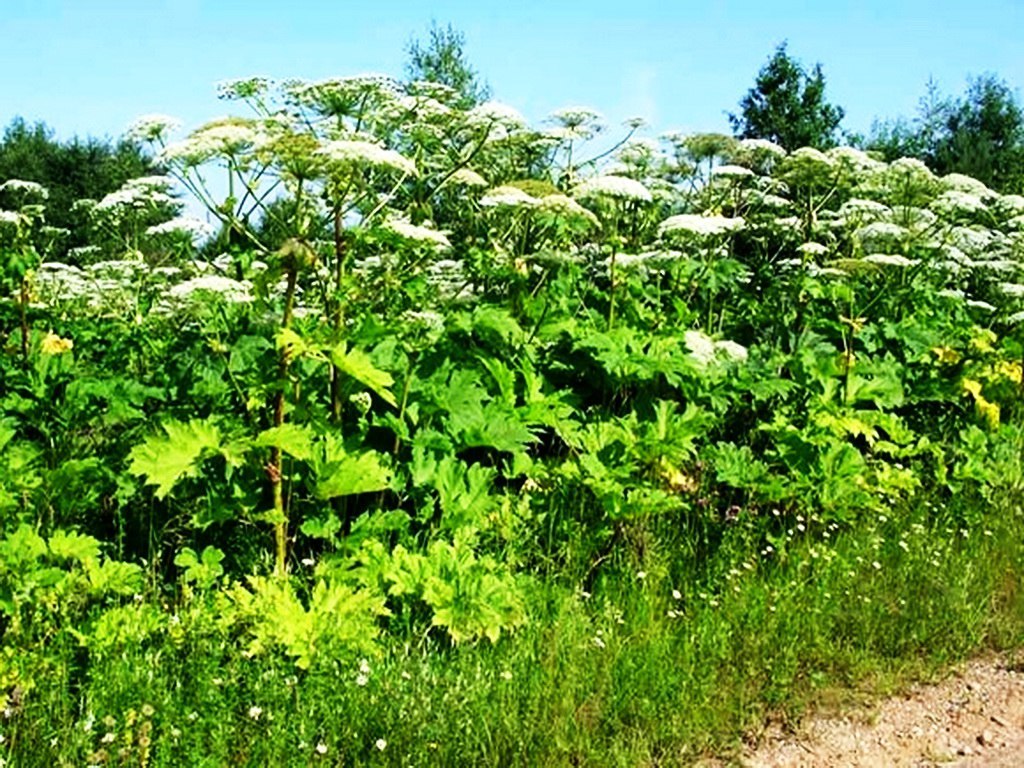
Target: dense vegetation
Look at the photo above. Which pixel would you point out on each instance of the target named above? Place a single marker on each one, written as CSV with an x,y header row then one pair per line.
x,y
455,447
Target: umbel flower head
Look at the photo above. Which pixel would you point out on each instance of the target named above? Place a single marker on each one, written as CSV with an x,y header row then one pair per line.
x,y
613,186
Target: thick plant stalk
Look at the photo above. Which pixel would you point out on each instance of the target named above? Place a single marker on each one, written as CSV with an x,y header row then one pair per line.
x,y
338,313
23,310
274,467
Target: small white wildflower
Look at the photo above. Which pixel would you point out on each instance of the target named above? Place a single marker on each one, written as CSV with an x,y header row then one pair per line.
x,y
677,595
599,642
641,575
506,675
362,680
380,744
255,712
321,748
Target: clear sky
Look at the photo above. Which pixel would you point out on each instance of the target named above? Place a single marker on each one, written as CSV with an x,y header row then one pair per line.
x,y
88,67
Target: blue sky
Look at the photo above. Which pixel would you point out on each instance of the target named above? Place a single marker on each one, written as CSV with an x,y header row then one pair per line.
x,y
88,67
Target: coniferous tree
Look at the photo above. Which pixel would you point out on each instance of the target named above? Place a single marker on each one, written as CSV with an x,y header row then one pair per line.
x,y
787,105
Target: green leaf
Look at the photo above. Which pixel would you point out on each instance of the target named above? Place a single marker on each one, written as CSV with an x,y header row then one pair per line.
x,y
357,473
293,439
71,545
357,364
163,460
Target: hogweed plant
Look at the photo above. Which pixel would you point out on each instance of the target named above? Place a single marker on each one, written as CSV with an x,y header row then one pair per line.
x,y
436,378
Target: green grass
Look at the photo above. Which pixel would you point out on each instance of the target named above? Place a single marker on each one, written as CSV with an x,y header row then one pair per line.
x,y
691,658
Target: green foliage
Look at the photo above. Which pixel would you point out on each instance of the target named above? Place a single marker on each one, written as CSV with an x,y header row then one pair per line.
x,y
787,105
70,171
980,134
442,60
697,421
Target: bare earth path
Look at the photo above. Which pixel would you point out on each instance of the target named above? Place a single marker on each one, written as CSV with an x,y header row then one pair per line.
x,y
973,718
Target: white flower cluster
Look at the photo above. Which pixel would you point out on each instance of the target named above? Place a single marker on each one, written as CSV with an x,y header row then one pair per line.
x,y
858,208
955,201
576,123
619,187
354,152
468,177
224,137
958,182
491,112
404,228
449,277
731,172
30,188
703,226
810,158
640,151
890,260
12,218
880,231
509,197
762,146
706,350
151,127
812,249
142,192
854,159
195,228
562,205
233,291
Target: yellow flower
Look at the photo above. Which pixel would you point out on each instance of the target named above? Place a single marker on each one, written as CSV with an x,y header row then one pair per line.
x,y
946,355
988,412
1010,370
55,345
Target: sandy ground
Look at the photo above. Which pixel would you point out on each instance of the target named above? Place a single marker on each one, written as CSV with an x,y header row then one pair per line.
x,y
973,718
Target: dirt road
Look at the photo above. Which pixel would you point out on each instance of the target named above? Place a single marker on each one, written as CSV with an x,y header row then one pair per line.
x,y
972,719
